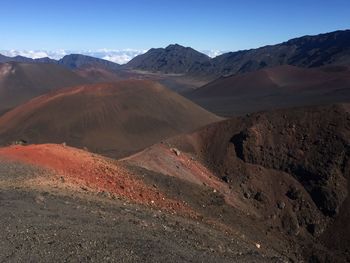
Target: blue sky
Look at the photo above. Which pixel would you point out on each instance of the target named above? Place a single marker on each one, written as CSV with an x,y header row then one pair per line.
x,y
204,25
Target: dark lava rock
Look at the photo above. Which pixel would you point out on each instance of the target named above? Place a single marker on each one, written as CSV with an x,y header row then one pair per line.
x,y
281,205
290,224
294,193
225,179
315,229
261,197
326,200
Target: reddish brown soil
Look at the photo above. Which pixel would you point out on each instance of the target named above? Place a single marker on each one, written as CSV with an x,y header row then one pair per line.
x,y
272,88
102,75
111,119
177,82
84,169
274,79
20,82
162,159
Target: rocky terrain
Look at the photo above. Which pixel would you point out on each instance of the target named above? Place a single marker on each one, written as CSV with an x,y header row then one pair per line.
x,y
288,170
67,204
266,187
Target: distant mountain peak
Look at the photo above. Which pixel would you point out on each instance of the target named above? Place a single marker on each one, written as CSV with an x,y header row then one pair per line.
x,y
75,61
175,46
179,48
172,59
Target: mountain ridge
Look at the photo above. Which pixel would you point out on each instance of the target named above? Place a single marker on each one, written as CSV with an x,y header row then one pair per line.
x,y
172,59
78,61
332,48
72,61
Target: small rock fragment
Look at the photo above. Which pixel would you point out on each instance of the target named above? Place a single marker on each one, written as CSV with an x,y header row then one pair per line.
x,y
39,199
281,205
176,151
259,196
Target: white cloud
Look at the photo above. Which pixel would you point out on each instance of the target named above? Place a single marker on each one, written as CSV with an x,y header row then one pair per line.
x,y
34,53
25,53
118,56
213,53
120,59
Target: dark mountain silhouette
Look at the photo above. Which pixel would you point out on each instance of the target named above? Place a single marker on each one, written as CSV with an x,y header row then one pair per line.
x,y
21,59
172,59
308,51
73,61
45,60
77,61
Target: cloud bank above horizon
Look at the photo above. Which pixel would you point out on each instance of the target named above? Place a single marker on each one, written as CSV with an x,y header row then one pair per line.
x,y
120,56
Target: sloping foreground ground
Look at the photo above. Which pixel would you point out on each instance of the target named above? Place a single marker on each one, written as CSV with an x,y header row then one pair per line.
x,y
63,204
273,88
286,172
114,119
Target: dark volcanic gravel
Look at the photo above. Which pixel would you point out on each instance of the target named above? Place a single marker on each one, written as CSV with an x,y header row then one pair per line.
x,y
41,227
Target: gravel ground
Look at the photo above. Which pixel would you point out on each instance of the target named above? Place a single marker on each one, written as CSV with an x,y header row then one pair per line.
x,y
42,225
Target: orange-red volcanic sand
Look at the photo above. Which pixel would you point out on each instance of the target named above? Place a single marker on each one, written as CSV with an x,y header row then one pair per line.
x,y
85,169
